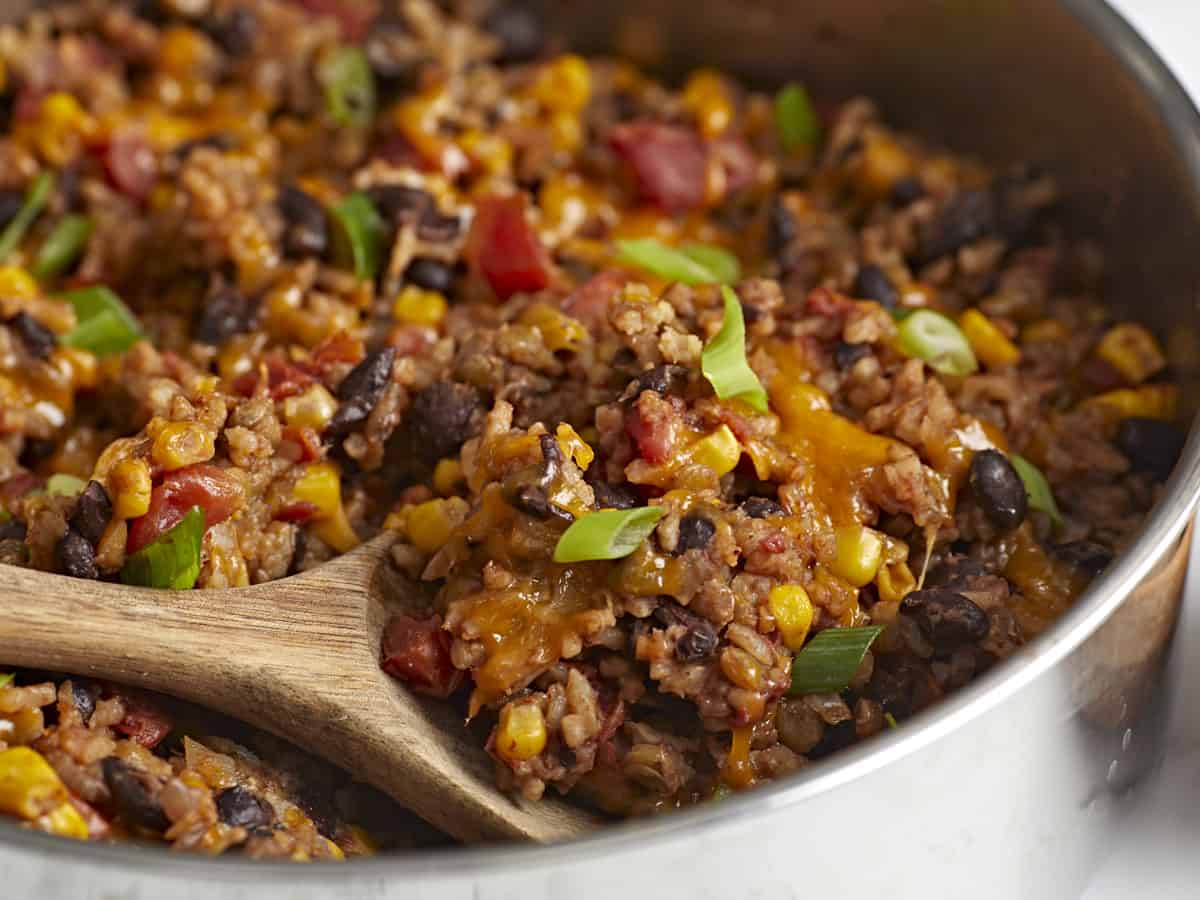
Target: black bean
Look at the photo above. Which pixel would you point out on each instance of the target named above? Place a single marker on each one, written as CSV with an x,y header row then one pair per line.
x,y
968,217
361,389
762,508
519,32
36,451
76,556
552,457
955,573
399,202
614,496
431,274
436,228
695,531
700,639
907,190
235,32
781,227
36,337
663,379
834,738
131,797
12,530
441,419
1150,445
84,694
947,619
240,808
93,510
535,501
998,489
1087,556
306,227
872,283
846,355
226,311
893,682
11,202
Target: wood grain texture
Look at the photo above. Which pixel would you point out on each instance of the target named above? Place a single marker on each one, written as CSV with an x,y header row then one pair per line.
x,y
297,657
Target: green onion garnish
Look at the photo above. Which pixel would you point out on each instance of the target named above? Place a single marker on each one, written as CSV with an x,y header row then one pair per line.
x,y
717,260
106,326
6,678
795,118
349,87
724,359
665,262
65,486
359,235
63,246
1037,488
932,337
891,720
828,662
607,534
173,559
31,208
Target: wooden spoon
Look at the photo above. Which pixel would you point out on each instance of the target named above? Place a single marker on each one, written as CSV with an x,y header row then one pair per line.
x,y
298,657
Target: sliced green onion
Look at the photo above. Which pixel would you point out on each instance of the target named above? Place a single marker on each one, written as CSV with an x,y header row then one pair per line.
x,y
1037,488
63,246
106,326
31,208
717,260
65,486
795,118
665,262
173,560
6,678
358,235
723,361
607,534
934,338
349,87
891,720
828,662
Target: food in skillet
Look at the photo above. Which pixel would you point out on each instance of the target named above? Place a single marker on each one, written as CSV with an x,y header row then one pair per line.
x,y
717,432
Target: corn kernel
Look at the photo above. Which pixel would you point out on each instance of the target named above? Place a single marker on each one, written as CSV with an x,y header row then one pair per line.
x,y
564,84
989,342
1150,401
334,850
29,786
895,581
720,451
521,733
65,821
60,128
130,486
182,444
313,408
559,331
415,306
1131,350
573,446
490,152
321,485
79,366
447,476
706,97
793,612
859,553
429,525
566,132
17,282
884,163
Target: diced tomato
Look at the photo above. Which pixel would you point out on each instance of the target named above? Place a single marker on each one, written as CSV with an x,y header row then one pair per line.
x,y
396,149
353,16
18,486
130,164
669,163
773,543
504,249
28,102
589,302
204,485
826,303
284,379
654,422
737,161
417,652
410,340
307,439
300,511
336,350
144,720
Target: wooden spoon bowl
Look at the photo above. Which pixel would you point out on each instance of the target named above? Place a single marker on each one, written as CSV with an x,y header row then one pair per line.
x,y
298,657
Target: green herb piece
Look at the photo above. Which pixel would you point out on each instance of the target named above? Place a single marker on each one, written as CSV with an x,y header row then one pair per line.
x,y
63,246
891,720
173,560
6,678
106,326
1037,488
795,118
720,262
35,200
665,262
828,662
607,534
345,75
934,338
65,486
723,361
358,235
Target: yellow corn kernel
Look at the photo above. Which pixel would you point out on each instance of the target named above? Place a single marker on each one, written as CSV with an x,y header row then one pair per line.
x,y
65,821
1131,350
859,553
567,201
490,152
884,163
895,582
564,84
566,132
419,307
706,97
793,612
181,50
321,485
1044,331
181,444
313,408
129,484
29,786
429,525
720,451
521,733
334,850
447,476
81,367
61,127
1150,401
559,331
573,446
989,342
17,282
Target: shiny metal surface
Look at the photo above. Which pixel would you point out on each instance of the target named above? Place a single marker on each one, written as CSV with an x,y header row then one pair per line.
x,y
1008,788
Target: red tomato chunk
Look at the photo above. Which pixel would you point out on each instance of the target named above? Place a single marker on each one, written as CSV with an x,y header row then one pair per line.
x,y
144,722
203,485
417,652
669,163
504,249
